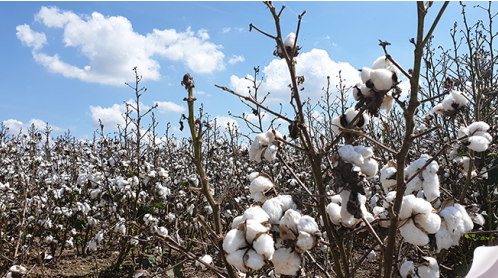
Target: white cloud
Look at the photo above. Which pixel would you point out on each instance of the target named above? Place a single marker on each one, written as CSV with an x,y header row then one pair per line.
x,y
235,59
168,106
223,121
226,30
113,48
16,126
199,92
30,37
111,117
240,29
315,66
254,119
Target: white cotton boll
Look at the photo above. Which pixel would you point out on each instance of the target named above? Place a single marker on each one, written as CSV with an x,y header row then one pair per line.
x,y
382,79
334,211
412,234
348,220
407,206
348,154
254,260
289,40
350,114
255,154
438,109
336,199
257,197
459,99
372,257
291,220
260,184
365,74
255,213
389,199
486,135
357,93
426,272
421,206
273,134
387,177
307,224
370,167
387,103
366,152
305,241
381,63
274,209
286,262
478,127
336,124
237,259
252,176
453,219
448,102
444,239
271,153
264,246
430,186
468,224
365,90
385,223
478,143
415,184
253,228
378,210
430,222
286,202
407,268
92,245
234,240
207,259
479,220
236,221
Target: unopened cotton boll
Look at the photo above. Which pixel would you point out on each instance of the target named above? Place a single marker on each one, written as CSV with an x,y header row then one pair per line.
x,y
264,246
412,234
286,262
289,40
234,240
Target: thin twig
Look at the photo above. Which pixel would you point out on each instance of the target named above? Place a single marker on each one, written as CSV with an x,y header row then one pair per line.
x,y
319,266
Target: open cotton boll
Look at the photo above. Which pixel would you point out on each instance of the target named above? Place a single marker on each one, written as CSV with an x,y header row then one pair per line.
x,y
264,246
254,260
366,152
388,177
286,202
271,153
377,211
478,127
236,221
381,63
382,79
429,271
260,184
252,176
387,103
305,241
207,259
369,167
234,240
348,154
365,74
459,99
237,259
291,220
274,209
348,219
468,224
286,262
389,199
255,213
407,206
307,224
444,239
429,222
478,143
253,228
453,219
289,40
438,109
336,124
421,206
407,268
255,154
273,134
336,199
430,186
415,184
412,234
334,211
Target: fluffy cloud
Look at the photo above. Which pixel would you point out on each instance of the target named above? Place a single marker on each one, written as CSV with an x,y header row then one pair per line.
x,y
223,122
113,116
226,30
16,126
315,66
113,48
235,59
168,106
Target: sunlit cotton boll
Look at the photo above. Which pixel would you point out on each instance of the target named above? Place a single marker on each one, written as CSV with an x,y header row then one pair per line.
x,y
305,241
255,213
260,185
334,211
388,177
382,79
237,259
286,262
254,260
430,269
412,234
207,259
92,245
253,228
407,268
234,240
264,246
291,220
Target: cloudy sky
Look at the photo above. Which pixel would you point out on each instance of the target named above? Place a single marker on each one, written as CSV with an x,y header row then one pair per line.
x,y
66,63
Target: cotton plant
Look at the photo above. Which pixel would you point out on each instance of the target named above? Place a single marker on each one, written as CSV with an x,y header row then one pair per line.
x,y
265,145
342,121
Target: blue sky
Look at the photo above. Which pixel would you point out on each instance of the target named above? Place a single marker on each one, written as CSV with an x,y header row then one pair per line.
x,y
65,63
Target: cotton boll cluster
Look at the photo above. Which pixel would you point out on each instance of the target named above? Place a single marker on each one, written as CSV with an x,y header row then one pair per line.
x,y
417,220
428,268
345,119
339,214
475,136
427,180
360,156
249,243
260,184
265,145
455,222
451,104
